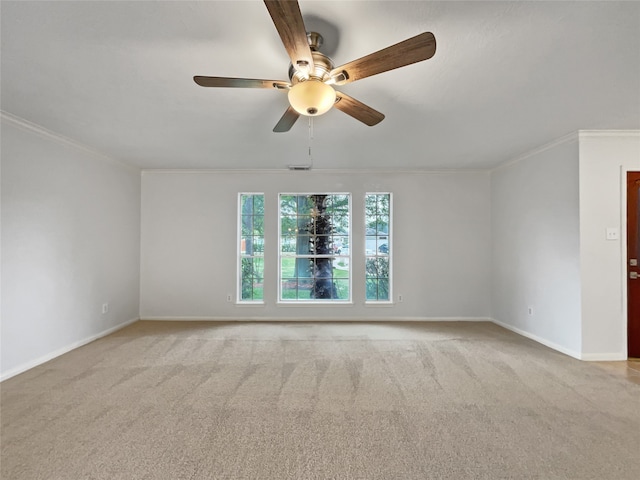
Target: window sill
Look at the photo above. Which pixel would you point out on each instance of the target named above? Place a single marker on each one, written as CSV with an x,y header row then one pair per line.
x,y
315,304
379,304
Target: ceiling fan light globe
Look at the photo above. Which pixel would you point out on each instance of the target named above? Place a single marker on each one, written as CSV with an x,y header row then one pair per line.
x,y
312,98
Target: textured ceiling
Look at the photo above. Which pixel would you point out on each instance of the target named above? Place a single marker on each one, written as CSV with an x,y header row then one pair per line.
x,y
507,77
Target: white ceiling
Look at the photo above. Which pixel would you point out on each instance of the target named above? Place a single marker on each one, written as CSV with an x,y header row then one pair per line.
x,y
507,77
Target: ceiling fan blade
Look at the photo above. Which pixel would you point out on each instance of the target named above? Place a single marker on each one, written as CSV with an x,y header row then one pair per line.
x,y
240,82
413,50
357,109
287,121
287,18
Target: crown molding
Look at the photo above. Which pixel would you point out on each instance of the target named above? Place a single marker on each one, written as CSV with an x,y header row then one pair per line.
x,y
608,133
315,171
569,138
28,126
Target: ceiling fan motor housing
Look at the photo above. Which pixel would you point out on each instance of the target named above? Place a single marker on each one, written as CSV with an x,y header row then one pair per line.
x,y
321,67
309,94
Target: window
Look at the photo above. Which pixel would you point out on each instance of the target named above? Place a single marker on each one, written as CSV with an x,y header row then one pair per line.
x,y
378,246
314,247
251,247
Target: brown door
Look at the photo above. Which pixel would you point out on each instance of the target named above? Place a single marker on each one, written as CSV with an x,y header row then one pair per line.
x,y
633,269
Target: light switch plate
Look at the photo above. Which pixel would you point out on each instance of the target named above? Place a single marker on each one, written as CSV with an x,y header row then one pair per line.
x,y
613,233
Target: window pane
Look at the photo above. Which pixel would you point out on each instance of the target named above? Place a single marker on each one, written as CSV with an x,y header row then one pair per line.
x,y
289,288
304,206
287,267
304,269
372,268
247,289
372,289
288,205
340,203
247,225
258,226
258,205
370,205
288,244
370,245
382,225
383,204
288,225
383,289
258,246
258,268
320,245
338,242
258,291
383,267
303,245
305,224
342,288
247,246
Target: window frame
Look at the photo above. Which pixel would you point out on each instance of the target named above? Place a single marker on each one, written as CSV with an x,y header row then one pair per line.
x,y
377,254
239,255
295,255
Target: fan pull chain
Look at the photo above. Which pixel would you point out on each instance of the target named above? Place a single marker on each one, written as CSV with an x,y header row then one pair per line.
x,y
310,141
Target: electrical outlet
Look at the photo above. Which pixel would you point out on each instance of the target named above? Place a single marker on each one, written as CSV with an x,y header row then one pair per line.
x,y
229,297
105,308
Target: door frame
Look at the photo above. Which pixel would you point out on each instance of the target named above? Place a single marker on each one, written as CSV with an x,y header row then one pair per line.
x,y
625,253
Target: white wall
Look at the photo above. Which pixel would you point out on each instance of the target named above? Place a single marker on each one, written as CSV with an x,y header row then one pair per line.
x,y
466,244
536,246
441,243
605,158
70,242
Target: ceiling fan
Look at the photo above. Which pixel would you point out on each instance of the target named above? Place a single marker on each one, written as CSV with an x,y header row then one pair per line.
x,y
312,74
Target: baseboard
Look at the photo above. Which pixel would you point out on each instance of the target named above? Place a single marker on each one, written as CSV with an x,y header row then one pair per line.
x,y
311,319
616,356
61,351
604,357
541,340
587,357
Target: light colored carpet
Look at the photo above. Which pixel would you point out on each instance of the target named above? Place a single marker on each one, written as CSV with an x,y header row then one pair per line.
x,y
175,400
